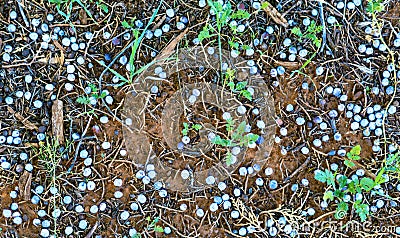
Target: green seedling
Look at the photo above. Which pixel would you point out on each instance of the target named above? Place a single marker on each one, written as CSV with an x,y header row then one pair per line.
x,y
100,4
152,226
94,93
375,6
392,165
338,188
65,7
310,33
352,156
187,128
236,137
239,87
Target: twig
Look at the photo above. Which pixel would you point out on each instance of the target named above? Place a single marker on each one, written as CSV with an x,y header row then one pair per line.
x,y
297,170
321,14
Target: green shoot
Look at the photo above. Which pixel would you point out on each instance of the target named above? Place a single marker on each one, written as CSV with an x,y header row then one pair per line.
x,y
340,188
94,93
353,155
310,33
187,128
375,6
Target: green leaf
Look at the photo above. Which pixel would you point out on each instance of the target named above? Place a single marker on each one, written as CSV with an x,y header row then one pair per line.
x,y
229,125
83,100
338,193
379,178
361,210
222,142
296,31
103,7
264,5
342,180
328,195
246,94
229,159
204,34
231,85
197,127
240,86
352,187
356,150
158,229
320,176
252,137
367,184
185,129
240,14
126,25
374,6
330,179
349,163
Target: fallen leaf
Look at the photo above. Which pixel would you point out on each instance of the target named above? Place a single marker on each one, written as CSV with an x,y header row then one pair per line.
x,y
274,14
24,184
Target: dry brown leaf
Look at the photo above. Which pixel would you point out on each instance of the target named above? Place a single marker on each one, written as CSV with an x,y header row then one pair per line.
x,y
22,119
57,119
288,65
62,57
274,14
170,48
159,23
24,184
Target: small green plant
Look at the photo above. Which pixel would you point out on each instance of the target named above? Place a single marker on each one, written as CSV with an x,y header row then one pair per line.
x,y
49,155
153,225
137,39
392,164
236,137
94,93
239,87
353,155
187,128
375,6
100,4
339,188
223,14
65,7
310,33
